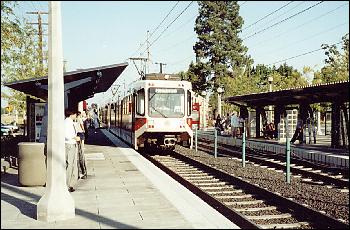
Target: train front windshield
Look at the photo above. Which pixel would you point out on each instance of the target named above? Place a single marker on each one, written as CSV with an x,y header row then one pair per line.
x,y
164,102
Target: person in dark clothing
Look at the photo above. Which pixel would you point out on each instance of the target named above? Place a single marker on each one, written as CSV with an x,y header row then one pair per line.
x,y
298,134
218,123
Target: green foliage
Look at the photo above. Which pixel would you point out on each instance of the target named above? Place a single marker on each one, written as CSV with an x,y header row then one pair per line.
x,y
336,63
197,74
19,56
219,48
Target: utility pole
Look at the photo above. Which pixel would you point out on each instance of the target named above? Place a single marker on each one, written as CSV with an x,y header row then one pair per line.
x,y
144,62
161,66
148,45
40,33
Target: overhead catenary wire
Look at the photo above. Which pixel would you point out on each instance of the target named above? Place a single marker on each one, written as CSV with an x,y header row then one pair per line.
x,y
180,27
243,3
156,27
303,54
299,3
169,25
309,37
266,16
299,26
286,19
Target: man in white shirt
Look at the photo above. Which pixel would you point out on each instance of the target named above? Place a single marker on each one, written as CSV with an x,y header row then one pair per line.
x,y
71,139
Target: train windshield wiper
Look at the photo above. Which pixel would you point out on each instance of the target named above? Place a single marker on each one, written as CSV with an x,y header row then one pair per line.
x,y
158,111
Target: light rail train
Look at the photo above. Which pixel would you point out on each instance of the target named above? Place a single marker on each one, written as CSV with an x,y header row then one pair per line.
x,y
155,112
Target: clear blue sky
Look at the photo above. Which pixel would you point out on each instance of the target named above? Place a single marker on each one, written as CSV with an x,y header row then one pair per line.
x,y
103,33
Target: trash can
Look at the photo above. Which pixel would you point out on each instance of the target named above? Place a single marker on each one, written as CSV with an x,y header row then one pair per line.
x,y
31,164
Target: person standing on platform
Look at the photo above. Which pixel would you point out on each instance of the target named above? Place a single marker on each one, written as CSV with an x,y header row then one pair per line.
x,y
227,123
218,124
95,119
85,119
79,126
298,134
234,124
71,139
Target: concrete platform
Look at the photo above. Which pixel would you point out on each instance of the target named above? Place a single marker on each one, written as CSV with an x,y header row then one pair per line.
x,y
318,153
123,190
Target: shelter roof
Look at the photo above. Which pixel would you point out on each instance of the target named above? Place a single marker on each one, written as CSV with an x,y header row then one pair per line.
x,y
82,83
327,92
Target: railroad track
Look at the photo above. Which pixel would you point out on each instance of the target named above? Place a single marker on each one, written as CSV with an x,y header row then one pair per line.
x,y
245,204
306,170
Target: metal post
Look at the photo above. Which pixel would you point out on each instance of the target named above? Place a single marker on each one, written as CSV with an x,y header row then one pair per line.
x,y
196,138
243,146
215,142
287,152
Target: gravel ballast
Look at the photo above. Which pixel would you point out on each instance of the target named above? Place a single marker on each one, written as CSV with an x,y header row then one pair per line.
x,y
320,197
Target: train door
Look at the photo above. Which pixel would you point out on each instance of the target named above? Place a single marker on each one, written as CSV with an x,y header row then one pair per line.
x,y
121,117
133,111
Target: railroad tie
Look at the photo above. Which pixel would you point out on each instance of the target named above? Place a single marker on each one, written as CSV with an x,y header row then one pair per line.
x,y
233,197
270,217
217,187
337,176
244,202
268,208
280,226
204,180
307,169
224,192
209,183
189,176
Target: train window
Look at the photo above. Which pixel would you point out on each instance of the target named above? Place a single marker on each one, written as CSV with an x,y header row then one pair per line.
x,y
166,102
140,105
189,103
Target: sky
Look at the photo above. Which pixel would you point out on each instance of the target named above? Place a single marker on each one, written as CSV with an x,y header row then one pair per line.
x,y
97,33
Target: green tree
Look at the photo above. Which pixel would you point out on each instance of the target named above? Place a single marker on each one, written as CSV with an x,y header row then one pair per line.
x,y
197,75
336,63
219,49
19,56
336,68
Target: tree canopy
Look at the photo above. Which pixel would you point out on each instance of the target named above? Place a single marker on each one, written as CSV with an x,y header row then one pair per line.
x,y
219,50
19,56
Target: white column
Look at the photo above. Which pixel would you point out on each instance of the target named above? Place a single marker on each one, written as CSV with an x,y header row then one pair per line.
x,y
80,106
319,132
219,104
204,113
57,203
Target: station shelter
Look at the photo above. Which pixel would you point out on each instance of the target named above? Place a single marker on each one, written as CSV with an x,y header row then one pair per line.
x,y
293,103
79,85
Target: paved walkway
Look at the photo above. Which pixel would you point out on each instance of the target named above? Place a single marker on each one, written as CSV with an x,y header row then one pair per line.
x,y
123,190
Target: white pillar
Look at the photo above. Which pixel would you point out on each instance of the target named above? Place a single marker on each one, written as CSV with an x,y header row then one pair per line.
x,y
269,119
319,132
219,104
57,203
16,116
80,106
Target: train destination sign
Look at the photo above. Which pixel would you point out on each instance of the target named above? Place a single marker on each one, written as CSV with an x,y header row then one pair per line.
x,y
166,90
